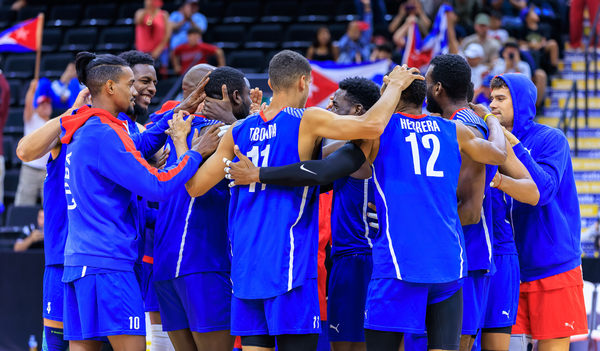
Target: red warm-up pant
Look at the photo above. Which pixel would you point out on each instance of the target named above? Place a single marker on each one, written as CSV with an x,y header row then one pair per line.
x,y
576,18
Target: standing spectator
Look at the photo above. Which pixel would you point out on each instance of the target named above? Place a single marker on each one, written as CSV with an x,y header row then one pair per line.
x,y
194,52
496,31
152,31
410,8
576,19
33,235
355,45
322,48
535,36
32,175
379,9
63,91
4,102
474,55
491,46
510,10
183,19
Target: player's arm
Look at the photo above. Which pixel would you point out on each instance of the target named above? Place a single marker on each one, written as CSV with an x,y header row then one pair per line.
x,y
548,167
322,123
213,170
491,151
471,185
514,179
344,161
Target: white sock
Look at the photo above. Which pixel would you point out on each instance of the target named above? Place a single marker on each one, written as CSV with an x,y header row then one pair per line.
x,y
160,339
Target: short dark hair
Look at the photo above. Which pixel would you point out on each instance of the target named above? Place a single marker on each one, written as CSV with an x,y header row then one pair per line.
x,y
386,47
194,30
95,70
286,67
135,57
361,91
454,73
415,93
231,77
497,83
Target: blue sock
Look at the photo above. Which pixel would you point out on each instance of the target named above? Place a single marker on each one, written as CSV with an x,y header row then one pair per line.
x,y
53,340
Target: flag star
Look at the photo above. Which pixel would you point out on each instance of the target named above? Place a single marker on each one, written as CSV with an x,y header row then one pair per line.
x,y
21,34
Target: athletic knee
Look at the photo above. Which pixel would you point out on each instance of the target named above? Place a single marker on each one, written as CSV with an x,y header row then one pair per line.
x,y
53,339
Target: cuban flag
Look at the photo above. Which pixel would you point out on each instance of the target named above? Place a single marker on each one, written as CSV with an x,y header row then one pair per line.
x,y
419,52
21,37
327,75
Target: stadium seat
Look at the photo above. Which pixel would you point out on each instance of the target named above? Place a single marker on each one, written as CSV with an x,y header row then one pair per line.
x,y
6,16
249,61
51,39
126,13
279,12
79,39
241,12
19,66
228,36
11,181
21,215
8,147
263,36
30,11
337,30
53,65
213,10
64,15
315,11
300,36
162,89
14,122
345,11
99,15
116,39
15,91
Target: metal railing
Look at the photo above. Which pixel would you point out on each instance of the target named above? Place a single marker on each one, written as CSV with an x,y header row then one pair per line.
x,y
564,122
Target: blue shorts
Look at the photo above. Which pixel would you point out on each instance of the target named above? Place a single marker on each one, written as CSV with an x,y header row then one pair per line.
x,y
398,306
200,302
348,283
415,342
475,296
148,291
53,292
503,298
103,304
295,312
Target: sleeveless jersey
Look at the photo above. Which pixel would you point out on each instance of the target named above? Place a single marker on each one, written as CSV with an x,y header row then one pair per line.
x,y
479,236
273,229
504,241
191,233
416,177
350,231
55,210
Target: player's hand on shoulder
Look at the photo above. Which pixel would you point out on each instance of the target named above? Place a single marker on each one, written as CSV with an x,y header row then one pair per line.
x,y
190,103
207,143
402,76
179,128
256,97
243,172
480,109
512,139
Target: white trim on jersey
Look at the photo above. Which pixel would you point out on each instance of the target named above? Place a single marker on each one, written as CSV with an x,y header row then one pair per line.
x,y
462,260
83,271
387,226
487,235
291,269
364,214
185,229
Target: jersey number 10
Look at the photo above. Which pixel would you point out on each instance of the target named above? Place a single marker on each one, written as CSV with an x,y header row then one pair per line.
x,y
427,140
254,156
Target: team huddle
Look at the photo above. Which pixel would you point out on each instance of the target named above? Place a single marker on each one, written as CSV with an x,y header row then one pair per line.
x,y
208,217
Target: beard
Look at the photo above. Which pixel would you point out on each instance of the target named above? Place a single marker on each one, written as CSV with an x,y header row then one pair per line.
x,y
432,105
137,111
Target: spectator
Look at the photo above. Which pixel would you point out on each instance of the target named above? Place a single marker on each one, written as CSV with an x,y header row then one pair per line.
x,y
152,31
194,52
510,10
33,235
4,102
474,55
491,46
32,175
414,9
576,19
382,52
355,45
482,96
496,31
322,48
379,10
465,11
536,38
183,19
63,91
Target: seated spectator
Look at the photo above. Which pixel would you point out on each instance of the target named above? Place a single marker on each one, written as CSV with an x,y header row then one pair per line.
x,y
496,31
32,174
183,19
382,52
152,32
355,45
62,92
322,48
576,19
491,46
474,55
32,236
510,10
414,9
535,37
194,52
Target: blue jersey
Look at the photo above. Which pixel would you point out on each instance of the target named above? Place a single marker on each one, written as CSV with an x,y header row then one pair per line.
x,y
479,237
504,241
416,177
55,210
350,231
191,233
273,229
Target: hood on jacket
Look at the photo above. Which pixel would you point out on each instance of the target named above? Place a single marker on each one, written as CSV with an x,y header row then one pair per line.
x,y
524,95
70,124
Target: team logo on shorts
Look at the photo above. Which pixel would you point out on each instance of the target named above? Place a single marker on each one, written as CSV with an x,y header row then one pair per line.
x,y
570,325
48,308
506,313
335,327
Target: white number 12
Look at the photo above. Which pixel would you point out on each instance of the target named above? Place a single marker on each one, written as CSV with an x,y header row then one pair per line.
x,y
253,155
427,140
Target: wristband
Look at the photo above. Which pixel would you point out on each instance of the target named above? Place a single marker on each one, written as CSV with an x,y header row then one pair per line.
x,y
486,116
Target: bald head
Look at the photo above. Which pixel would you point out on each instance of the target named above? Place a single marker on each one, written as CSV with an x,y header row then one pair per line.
x,y
193,76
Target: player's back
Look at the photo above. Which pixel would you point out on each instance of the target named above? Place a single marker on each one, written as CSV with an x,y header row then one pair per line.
x,y
416,176
55,210
273,229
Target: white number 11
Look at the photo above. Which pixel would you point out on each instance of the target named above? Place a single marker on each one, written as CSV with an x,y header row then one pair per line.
x,y
253,155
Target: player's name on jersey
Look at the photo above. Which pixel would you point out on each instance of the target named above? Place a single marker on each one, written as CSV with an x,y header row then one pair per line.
x,y
263,133
420,126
